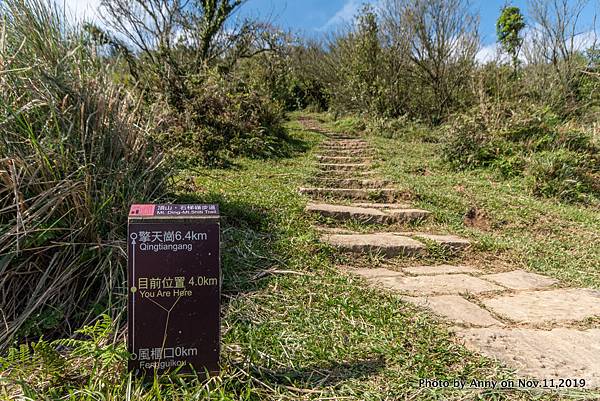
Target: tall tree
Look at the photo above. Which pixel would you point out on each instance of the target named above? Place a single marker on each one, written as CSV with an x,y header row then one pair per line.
x,y
175,39
439,38
556,33
509,29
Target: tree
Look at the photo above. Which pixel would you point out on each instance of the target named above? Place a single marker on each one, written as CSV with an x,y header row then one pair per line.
x,y
364,65
176,39
556,42
439,40
509,26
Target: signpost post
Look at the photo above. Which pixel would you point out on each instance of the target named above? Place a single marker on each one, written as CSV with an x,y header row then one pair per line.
x,y
174,285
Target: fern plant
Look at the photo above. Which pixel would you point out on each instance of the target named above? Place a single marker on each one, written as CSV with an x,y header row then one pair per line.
x,y
96,346
44,366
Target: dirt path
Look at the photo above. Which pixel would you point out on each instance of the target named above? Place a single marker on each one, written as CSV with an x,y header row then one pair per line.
x,y
529,322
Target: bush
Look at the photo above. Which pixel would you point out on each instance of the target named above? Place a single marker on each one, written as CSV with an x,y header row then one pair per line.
x,y
224,118
564,174
469,144
74,154
558,159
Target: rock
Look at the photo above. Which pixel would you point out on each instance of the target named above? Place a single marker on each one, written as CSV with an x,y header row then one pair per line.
x,y
521,280
388,245
457,309
559,305
542,354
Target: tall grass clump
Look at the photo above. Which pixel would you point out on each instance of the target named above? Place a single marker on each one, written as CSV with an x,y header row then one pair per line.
x,y
74,154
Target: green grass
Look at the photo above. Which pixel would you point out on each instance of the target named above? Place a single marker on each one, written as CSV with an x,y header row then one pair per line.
x,y
294,325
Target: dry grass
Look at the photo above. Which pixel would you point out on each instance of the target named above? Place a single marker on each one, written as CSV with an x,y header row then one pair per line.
x,y
73,156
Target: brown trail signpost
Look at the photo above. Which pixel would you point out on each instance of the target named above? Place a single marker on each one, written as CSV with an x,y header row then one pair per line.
x,y
174,288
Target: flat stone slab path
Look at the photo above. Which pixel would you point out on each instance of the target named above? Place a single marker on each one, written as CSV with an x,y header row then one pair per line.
x,y
367,215
482,312
525,320
457,309
547,306
521,280
441,269
560,353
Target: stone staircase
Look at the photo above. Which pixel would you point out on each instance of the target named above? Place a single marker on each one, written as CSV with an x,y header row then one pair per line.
x,y
527,321
342,193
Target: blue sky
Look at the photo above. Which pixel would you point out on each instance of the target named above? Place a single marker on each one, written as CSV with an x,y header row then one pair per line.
x,y
315,17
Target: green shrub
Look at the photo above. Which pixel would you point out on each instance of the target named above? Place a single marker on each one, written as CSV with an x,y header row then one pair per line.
x,y
74,154
224,118
558,160
469,144
564,174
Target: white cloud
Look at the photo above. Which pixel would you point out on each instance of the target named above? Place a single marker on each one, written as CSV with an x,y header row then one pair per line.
x,y
585,40
343,15
488,53
81,10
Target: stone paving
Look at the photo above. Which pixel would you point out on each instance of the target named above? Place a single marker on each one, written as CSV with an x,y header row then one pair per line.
x,y
527,321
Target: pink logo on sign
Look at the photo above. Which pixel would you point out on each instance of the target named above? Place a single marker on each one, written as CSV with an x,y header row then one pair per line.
x,y
142,210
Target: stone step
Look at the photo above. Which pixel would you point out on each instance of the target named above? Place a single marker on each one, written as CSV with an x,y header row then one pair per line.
x,y
346,147
342,159
387,194
381,205
346,152
337,135
344,140
367,215
350,141
335,175
328,181
343,166
384,244
450,241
